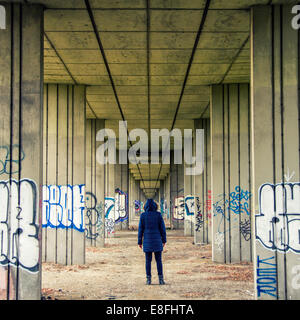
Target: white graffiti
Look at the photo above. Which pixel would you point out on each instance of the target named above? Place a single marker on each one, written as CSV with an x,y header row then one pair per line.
x,y
277,225
178,212
63,207
19,225
120,208
109,206
219,241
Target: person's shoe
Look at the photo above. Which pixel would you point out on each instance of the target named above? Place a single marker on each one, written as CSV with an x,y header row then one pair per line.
x,y
161,280
148,280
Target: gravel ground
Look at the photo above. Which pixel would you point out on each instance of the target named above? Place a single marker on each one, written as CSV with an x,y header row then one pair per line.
x,y
117,272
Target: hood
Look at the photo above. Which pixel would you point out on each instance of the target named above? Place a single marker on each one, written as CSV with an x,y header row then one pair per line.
x,y
150,206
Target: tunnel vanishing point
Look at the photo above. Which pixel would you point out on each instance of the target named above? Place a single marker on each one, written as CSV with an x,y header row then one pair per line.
x,y
71,68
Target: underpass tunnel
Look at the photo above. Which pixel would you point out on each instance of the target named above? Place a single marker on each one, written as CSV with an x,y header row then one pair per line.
x,y
84,81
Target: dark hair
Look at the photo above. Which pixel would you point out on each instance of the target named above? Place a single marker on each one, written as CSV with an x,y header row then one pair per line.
x,y
150,205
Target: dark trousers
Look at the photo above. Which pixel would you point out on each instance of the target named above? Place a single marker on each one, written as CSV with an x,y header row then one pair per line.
x,y
158,263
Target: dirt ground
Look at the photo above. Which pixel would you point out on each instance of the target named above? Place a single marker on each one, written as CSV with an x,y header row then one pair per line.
x,y
118,272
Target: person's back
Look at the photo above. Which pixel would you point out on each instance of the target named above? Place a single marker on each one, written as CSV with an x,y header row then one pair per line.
x,y
152,229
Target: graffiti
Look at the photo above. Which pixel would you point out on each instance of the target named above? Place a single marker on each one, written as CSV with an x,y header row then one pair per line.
x,y
137,207
238,204
245,229
239,201
199,217
94,224
296,278
266,277
178,212
189,205
63,207
19,226
109,207
162,206
208,206
121,206
7,164
277,225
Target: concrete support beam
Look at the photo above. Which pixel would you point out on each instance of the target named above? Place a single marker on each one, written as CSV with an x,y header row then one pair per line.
x,y
189,203
275,121
176,194
203,195
21,65
64,174
95,181
231,185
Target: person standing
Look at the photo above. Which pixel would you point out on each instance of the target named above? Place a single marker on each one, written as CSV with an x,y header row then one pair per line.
x,y
152,238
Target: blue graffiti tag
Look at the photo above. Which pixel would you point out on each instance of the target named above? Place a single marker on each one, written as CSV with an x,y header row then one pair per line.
x,y
7,164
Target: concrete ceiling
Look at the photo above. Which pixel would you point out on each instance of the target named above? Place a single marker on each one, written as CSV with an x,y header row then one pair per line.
x,y
156,58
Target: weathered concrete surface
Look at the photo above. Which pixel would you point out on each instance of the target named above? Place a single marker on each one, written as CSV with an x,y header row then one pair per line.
x,y
64,174
231,195
275,123
21,175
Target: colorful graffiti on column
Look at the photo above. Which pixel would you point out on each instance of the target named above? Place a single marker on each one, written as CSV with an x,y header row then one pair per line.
x,y
109,207
137,207
121,206
63,207
190,209
19,225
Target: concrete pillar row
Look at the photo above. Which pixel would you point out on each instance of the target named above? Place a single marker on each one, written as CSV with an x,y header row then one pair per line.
x,y
95,182
230,165
64,174
203,203
275,70
21,94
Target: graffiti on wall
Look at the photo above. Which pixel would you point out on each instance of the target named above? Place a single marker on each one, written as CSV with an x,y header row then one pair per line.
x,y
109,207
63,207
232,209
266,276
121,206
277,225
19,226
162,206
199,221
94,212
178,211
7,155
190,208
208,206
137,207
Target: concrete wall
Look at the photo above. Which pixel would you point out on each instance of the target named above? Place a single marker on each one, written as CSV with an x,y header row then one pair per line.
x,y
64,174
21,66
275,122
94,189
203,200
231,185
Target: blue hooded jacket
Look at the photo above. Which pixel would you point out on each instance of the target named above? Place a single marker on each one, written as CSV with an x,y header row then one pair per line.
x,y
152,228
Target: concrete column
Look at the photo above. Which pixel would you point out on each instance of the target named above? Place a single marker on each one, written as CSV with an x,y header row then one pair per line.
x,y
161,199
275,146
21,76
110,200
64,174
231,185
176,194
95,181
203,190
167,197
189,203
